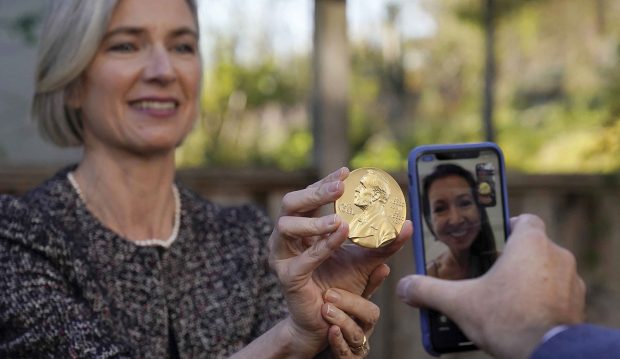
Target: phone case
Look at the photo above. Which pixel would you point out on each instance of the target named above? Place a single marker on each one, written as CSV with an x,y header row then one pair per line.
x,y
416,215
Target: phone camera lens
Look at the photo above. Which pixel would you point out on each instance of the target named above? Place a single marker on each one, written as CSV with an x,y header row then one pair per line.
x,y
427,158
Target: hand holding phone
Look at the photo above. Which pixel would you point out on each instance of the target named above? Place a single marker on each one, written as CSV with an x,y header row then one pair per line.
x,y
533,287
459,208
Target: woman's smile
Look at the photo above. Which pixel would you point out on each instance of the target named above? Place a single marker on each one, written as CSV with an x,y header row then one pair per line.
x,y
155,107
458,233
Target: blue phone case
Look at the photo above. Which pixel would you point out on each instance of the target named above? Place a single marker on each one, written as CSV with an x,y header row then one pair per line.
x,y
416,213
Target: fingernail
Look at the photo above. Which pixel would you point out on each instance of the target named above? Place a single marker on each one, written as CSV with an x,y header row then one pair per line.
x,y
332,296
333,187
329,223
331,312
402,289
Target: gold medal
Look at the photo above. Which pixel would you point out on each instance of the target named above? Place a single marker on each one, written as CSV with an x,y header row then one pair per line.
x,y
373,205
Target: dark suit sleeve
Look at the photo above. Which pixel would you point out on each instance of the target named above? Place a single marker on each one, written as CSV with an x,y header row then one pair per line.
x,y
581,341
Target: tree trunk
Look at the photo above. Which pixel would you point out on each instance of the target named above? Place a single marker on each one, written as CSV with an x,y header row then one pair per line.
x,y
601,24
330,91
489,70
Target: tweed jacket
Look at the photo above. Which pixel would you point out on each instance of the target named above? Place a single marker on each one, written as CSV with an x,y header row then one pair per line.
x,y
70,287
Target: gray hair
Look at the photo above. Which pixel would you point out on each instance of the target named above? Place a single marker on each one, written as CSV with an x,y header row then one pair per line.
x,y
70,37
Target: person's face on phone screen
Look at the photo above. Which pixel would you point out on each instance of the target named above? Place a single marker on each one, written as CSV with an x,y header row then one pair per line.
x,y
454,215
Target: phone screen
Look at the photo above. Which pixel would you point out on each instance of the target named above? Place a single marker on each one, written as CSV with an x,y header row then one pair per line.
x,y
463,220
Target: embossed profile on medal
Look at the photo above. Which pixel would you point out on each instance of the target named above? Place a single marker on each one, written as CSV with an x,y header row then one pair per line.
x,y
372,226
374,207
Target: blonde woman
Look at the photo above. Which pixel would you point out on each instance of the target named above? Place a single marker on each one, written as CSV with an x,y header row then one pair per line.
x,y
112,258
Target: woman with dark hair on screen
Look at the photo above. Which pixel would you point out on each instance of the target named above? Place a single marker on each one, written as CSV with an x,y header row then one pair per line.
x,y
111,257
455,217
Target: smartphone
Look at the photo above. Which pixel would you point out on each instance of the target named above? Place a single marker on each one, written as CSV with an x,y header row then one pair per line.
x,y
458,200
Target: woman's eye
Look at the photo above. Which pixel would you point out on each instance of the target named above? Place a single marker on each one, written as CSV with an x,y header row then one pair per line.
x,y
123,47
439,209
185,48
465,203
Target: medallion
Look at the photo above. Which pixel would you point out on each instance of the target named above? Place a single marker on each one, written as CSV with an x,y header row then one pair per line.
x,y
373,205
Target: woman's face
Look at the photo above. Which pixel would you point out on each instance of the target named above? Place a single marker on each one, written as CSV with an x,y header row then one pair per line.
x,y
454,215
140,92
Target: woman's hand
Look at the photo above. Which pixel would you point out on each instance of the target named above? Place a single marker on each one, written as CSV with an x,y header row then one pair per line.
x,y
308,254
352,319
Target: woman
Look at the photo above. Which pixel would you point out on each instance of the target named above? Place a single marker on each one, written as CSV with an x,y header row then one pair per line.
x,y
456,218
112,258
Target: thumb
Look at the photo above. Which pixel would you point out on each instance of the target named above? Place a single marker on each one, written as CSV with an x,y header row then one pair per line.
x,y
377,277
428,292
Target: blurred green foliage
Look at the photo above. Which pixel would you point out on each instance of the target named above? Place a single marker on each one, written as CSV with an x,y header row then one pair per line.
x,y
23,27
474,10
556,108
251,115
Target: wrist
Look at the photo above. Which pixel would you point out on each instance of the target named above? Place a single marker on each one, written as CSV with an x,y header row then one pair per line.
x,y
553,332
281,341
298,343
540,337
519,345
